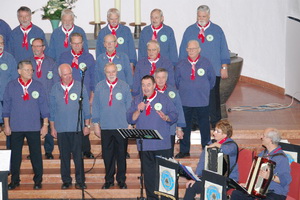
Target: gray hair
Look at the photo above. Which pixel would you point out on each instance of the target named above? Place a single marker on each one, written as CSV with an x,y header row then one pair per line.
x,y
191,42
274,135
154,42
24,8
67,12
113,11
110,64
110,35
24,62
203,8
158,70
157,10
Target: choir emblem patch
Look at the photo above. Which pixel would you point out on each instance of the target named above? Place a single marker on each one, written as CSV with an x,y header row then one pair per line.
x,y
167,180
158,106
172,94
4,66
120,40
31,40
163,38
82,66
50,75
119,67
200,71
35,94
73,96
119,96
209,38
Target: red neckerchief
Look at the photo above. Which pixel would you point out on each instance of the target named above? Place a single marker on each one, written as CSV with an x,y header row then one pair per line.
x,y
279,148
25,88
111,57
201,35
39,61
148,108
66,42
155,31
153,64
193,63
223,140
75,59
161,90
114,31
111,87
66,88
1,54
25,37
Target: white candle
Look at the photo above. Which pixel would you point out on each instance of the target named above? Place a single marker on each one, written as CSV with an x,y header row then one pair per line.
x,y
97,11
118,6
137,12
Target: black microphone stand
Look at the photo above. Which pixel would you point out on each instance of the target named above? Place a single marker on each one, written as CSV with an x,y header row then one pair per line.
x,y
142,173
80,125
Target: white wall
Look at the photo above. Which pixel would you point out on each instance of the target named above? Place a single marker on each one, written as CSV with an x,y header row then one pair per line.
x,y
255,29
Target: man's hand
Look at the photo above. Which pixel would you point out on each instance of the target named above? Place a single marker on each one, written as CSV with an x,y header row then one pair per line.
x,y
86,131
224,72
142,106
54,132
264,173
179,133
7,130
44,131
190,183
97,130
163,116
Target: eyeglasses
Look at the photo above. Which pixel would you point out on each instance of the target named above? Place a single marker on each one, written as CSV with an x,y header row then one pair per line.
x,y
28,70
192,49
38,46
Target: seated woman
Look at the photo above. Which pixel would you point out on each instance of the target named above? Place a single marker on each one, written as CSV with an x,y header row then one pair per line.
x,y
222,139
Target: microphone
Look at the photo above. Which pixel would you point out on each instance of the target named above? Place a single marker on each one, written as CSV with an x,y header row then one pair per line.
x,y
213,140
144,101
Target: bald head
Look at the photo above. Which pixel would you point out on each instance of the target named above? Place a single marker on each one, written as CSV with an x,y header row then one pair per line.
x,y
65,73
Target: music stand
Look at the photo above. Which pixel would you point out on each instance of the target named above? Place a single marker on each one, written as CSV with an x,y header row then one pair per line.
x,y
5,157
214,186
292,151
140,134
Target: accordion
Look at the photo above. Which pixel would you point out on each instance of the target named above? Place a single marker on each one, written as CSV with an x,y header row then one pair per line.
x,y
216,161
256,185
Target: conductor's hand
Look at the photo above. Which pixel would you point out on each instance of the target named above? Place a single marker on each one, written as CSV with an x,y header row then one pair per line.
x,y
141,106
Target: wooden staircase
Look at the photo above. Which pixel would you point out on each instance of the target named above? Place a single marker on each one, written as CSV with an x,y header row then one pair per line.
x,y
95,177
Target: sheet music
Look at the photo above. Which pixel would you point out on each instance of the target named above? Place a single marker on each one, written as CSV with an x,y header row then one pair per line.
x,y
5,160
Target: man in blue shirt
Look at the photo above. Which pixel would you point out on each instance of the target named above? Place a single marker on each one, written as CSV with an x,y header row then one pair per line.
x,y
21,37
24,104
160,32
123,34
214,47
60,38
279,186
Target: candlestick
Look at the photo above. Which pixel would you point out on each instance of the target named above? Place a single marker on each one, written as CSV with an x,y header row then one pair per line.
x,y
137,29
97,11
137,12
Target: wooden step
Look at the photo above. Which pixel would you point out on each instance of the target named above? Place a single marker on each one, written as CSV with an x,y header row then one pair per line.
x,y
54,191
